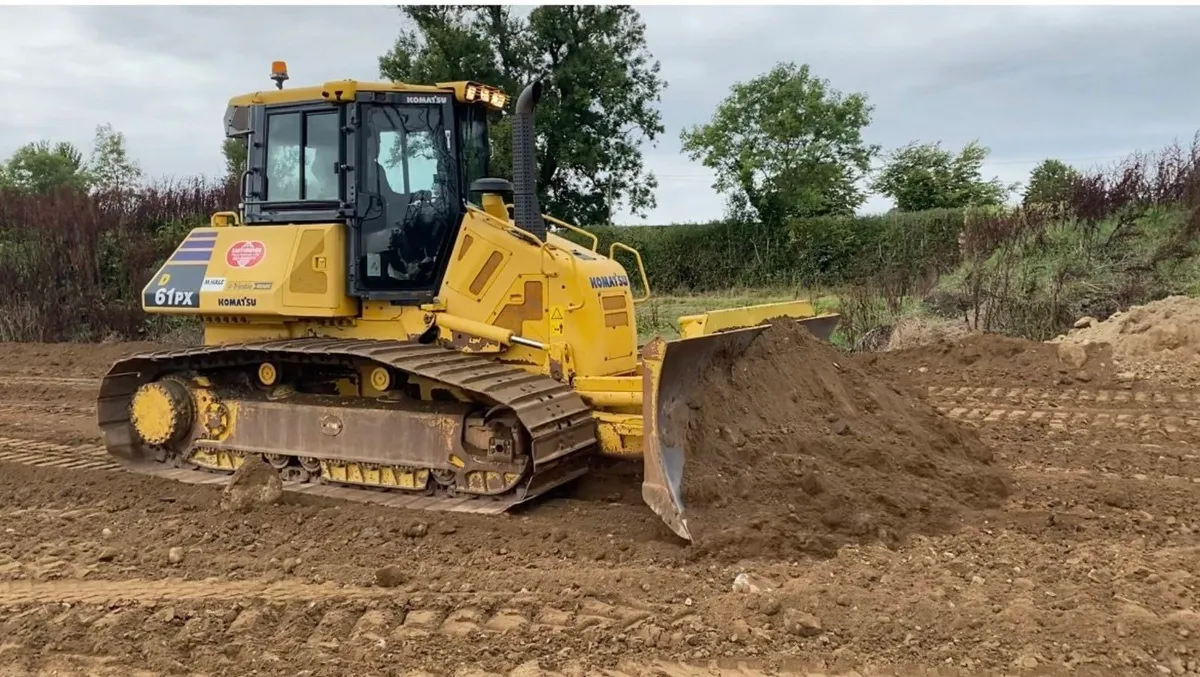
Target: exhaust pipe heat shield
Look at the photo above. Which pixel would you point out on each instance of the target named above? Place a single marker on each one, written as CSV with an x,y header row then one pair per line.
x,y
670,372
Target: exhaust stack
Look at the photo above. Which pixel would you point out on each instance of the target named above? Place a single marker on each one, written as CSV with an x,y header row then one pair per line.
x,y
526,212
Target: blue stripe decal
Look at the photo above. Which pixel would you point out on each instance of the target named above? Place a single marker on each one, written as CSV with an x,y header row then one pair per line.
x,y
204,235
192,255
193,244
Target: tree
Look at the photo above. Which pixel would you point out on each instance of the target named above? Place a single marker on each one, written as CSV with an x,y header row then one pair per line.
x,y
600,84
234,150
110,168
921,176
786,144
1050,182
41,167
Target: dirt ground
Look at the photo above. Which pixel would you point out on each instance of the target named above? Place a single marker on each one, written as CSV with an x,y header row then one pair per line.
x,y
1089,565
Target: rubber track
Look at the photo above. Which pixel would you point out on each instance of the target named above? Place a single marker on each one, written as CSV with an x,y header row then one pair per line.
x,y
559,422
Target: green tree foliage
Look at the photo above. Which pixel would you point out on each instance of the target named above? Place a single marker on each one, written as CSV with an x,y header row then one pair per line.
x,y
921,176
786,145
42,167
600,84
1051,182
234,151
110,169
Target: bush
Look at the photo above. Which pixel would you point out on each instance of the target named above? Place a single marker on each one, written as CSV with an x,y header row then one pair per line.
x,y
73,264
1126,236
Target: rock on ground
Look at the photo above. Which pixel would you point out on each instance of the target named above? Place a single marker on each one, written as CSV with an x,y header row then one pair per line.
x,y
254,483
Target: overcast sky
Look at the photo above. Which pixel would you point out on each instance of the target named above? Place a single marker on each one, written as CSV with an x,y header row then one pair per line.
x,y
1084,84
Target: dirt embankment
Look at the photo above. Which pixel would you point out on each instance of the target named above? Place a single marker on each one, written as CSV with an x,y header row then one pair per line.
x,y
994,360
1158,341
794,449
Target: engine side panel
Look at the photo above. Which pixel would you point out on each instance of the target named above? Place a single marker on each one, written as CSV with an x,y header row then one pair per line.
x,y
560,293
259,271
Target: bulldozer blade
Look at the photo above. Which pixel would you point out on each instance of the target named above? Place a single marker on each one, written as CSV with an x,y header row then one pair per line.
x,y
671,370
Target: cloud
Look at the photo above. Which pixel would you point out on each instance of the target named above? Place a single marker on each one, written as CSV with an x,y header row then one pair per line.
x,y
1029,82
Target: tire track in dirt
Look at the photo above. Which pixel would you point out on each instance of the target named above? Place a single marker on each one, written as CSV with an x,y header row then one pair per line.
x,y
1106,432
19,409
1070,407
296,619
38,380
1087,420
107,592
41,453
1083,397
111,666
1111,415
435,613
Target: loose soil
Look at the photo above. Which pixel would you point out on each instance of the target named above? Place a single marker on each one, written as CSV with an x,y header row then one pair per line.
x,y
68,359
793,449
1159,340
995,360
1090,566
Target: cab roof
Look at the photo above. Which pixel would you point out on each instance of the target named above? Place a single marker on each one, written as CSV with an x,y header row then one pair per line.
x,y
345,91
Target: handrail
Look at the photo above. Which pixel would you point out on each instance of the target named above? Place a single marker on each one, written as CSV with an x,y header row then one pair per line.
x,y
568,226
216,220
641,268
503,225
573,229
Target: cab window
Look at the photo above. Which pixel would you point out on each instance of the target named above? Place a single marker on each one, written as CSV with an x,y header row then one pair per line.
x,y
408,159
308,140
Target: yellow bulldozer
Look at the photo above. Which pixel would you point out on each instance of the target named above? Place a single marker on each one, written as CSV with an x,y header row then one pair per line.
x,y
385,322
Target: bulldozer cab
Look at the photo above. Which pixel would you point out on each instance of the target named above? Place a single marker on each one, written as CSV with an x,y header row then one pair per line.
x,y
394,166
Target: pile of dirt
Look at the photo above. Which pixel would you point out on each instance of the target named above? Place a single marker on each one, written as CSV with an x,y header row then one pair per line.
x,y
996,360
792,449
1160,340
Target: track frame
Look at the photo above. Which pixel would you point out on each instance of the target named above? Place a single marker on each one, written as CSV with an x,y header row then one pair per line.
x,y
559,426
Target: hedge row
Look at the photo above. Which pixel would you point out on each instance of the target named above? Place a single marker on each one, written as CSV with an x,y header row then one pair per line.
x,y
808,252
71,264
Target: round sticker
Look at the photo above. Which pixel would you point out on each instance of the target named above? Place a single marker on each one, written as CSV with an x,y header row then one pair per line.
x,y
245,254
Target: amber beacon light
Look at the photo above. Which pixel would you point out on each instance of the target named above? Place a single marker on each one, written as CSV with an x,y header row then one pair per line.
x,y
279,73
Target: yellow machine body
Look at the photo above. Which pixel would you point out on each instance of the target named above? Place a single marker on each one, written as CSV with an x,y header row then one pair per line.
x,y
573,300
522,361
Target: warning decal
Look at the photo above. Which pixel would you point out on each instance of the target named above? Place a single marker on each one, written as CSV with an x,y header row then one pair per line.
x,y
556,321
